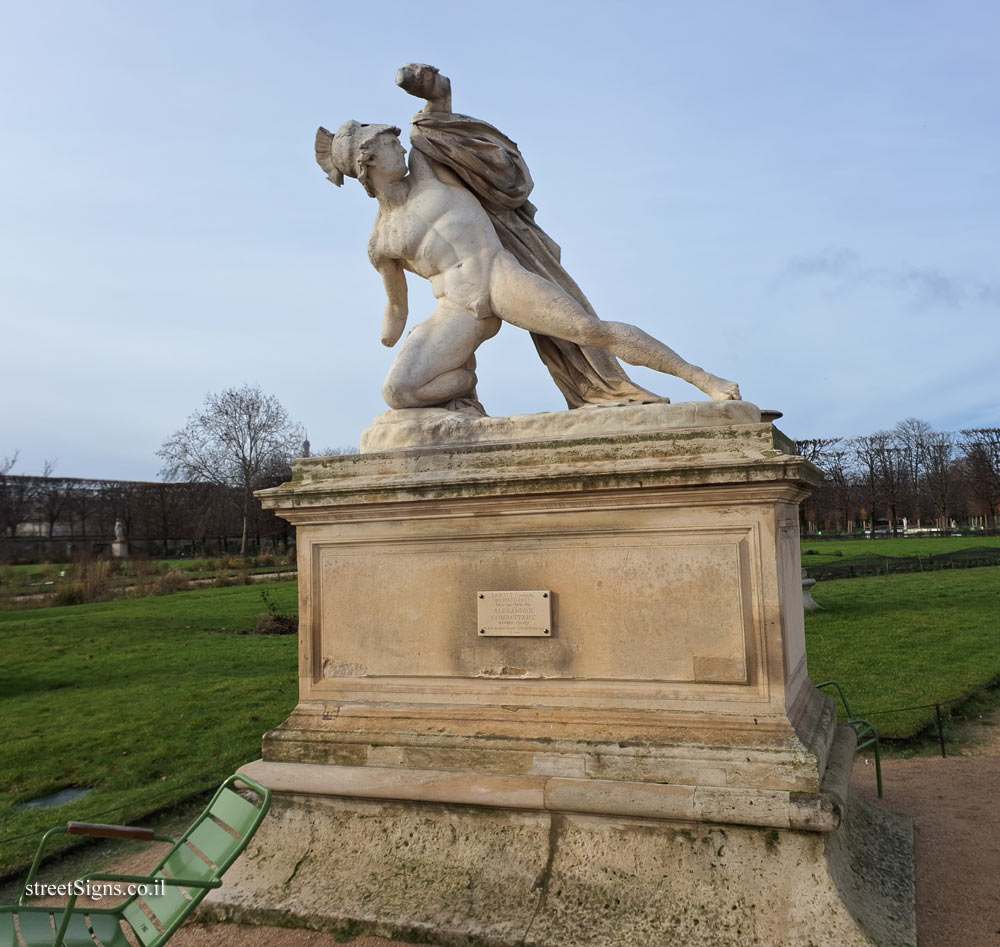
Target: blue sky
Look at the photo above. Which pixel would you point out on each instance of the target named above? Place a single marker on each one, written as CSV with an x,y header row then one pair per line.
x,y
802,196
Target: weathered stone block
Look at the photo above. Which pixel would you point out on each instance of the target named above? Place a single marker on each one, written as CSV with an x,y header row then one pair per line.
x,y
657,769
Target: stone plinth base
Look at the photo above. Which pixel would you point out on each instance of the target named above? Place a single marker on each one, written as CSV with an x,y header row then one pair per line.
x,y
649,764
424,428
676,651
472,875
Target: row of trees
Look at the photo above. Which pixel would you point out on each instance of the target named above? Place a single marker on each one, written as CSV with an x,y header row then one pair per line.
x,y
56,517
239,441
242,440
933,479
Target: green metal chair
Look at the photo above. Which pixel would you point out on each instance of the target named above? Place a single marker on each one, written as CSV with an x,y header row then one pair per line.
x,y
173,889
866,733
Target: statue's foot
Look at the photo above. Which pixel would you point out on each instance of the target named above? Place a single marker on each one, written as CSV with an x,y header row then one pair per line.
x,y
469,405
718,389
626,402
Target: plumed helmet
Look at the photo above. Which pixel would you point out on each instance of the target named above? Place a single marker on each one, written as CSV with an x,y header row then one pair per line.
x,y
345,152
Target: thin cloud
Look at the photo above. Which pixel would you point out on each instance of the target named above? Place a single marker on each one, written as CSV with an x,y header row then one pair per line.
x,y
843,271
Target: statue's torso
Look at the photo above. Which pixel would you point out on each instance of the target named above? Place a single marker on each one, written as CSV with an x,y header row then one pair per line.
x,y
441,233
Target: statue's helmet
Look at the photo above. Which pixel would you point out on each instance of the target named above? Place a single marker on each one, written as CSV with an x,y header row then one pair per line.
x,y
347,150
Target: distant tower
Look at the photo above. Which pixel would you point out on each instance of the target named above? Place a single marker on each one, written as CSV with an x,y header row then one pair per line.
x,y
305,447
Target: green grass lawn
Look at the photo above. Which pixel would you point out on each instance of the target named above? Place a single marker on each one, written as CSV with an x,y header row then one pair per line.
x,y
821,551
34,572
904,640
143,700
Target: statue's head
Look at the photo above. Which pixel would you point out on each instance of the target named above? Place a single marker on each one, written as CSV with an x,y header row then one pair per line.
x,y
351,149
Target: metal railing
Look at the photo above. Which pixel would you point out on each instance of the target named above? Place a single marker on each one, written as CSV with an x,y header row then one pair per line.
x,y
938,717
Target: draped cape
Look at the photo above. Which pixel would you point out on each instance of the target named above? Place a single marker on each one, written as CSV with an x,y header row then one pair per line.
x,y
492,168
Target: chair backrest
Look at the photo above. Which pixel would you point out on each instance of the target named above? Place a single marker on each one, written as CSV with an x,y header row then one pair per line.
x,y
212,843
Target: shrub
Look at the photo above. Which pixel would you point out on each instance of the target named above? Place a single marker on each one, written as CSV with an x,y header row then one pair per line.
x,y
169,582
141,567
73,593
274,623
88,582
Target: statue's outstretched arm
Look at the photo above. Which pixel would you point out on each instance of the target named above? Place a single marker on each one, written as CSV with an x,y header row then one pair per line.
x,y
425,82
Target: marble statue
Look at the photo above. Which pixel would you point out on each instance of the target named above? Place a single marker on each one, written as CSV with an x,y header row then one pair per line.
x,y
119,548
458,215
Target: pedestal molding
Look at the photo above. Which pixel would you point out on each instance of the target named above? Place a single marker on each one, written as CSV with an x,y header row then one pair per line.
x,y
814,812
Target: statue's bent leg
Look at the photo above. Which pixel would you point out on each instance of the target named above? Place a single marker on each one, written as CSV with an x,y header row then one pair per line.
x,y
533,303
435,364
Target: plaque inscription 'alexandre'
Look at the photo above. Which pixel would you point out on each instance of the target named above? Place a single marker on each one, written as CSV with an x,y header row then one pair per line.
x,y
518,614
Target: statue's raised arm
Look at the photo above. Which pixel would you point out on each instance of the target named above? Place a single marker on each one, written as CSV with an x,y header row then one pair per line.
x,y
458,215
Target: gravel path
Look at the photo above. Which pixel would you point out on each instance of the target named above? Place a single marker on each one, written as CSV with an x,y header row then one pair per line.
x,y
955,807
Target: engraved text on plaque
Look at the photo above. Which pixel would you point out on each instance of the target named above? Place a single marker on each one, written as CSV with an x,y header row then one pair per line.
x,y
515,614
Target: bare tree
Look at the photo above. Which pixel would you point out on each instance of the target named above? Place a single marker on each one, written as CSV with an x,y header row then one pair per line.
x,y
981,462
893,471
939,453
883,473
52,500
10,503
841,481
817,449
8,463
866,450
236,438
20,496
335,452
912,436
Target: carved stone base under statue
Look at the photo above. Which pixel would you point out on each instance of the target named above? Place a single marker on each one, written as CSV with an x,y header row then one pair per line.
x,y
647,763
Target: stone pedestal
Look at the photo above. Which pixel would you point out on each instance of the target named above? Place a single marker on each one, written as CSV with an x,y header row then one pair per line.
x,y
808,602
655,764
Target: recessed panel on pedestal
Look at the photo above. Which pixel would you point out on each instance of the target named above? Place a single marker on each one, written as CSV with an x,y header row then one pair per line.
x,y
674,605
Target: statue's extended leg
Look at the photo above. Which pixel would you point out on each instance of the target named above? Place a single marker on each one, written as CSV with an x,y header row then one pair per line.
x,y
530,302
435,364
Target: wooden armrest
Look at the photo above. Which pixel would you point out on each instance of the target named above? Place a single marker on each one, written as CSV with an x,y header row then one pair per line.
x,y
99,830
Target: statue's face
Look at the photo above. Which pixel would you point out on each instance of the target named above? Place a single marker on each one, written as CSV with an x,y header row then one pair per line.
x,y
388,157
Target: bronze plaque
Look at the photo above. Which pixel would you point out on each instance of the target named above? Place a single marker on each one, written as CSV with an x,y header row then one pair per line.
x,y
515,614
